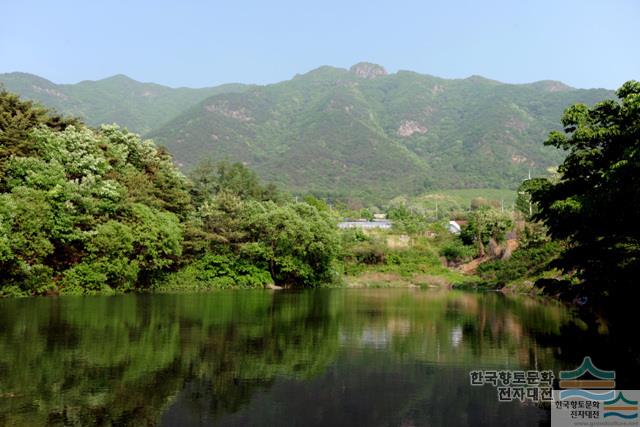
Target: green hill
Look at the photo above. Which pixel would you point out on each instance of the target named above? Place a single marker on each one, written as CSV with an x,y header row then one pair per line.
x,y
367,134
137,106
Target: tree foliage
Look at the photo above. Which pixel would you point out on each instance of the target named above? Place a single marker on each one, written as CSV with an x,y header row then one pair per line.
x,y
524,203
18,118
210,178
84,210
595,205
485,224
295,242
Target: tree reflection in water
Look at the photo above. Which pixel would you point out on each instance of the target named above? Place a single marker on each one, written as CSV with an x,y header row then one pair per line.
x,y
323,357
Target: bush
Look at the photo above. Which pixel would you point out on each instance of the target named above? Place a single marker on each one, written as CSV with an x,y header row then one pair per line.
x,y
457,252
524,262
367,253
216,272
83,279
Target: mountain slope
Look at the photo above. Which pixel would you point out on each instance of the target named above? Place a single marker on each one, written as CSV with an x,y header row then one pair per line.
x,y
117,99
368,134
361,133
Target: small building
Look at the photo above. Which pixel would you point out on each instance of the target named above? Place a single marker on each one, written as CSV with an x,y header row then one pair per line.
x,y
380,216
454,227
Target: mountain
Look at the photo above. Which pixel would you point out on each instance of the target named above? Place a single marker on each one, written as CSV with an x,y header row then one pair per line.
x,y
358,133
368,134
140,107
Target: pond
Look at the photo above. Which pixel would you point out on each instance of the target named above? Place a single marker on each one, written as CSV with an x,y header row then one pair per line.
x,y
374,357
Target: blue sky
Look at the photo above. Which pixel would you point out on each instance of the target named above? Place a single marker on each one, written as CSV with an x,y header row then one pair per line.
x,y
584,43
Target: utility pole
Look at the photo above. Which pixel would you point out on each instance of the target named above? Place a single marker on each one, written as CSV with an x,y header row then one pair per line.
x,y
436,210
529,197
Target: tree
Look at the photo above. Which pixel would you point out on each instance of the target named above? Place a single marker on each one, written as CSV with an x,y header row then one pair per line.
x,y
83,210
18,118
296,243
100,210
484,224
524,203
210,178
595,205
317,203
222,220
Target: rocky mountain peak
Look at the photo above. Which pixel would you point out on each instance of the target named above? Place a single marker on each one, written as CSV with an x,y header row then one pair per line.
x,y
367,70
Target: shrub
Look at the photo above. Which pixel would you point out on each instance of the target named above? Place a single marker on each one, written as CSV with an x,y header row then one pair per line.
x,y
83,279
367,253
523,263
217,272
457,252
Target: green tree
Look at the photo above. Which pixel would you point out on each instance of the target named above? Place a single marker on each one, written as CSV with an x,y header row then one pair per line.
x,y
296,243
100,210
485,224
406,219
210,178
223,220
84,210
18,118
317,203
595,205
524,204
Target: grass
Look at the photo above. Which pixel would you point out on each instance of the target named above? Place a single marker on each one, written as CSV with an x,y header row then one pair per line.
x,y
456,200
463,197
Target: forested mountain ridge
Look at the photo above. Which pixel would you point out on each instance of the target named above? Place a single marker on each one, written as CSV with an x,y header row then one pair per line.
x,y
138,106
365,133
359,133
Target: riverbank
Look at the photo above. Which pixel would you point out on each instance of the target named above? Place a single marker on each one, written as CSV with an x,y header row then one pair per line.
x,y
371,259
437,258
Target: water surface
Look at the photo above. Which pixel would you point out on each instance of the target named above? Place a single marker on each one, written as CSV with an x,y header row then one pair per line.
x,y
378,357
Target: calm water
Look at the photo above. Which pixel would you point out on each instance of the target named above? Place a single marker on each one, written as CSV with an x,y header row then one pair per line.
x,y
327,357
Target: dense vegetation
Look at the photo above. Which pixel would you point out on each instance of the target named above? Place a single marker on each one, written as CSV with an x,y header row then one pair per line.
x,y
594,205
390,259
85,210
99,210
336,134
576,232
